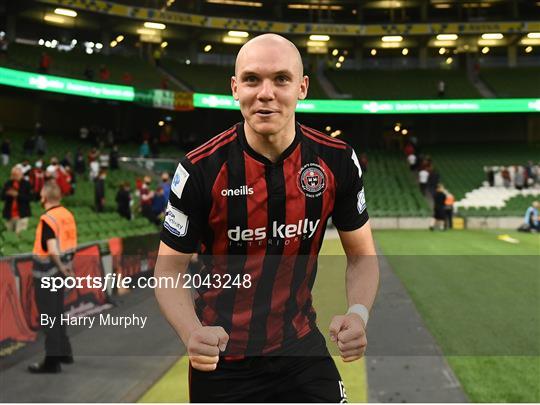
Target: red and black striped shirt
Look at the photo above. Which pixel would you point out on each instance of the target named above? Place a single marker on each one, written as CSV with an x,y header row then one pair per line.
x,y
266,220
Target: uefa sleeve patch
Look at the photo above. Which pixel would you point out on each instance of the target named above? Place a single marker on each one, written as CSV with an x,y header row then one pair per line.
x,y
176,222
179,180
356,163
361,201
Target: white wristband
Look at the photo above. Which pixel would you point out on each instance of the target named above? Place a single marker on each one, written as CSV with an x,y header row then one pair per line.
x,y
360,310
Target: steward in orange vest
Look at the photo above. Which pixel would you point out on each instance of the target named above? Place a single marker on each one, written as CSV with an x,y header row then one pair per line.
x,y
54,247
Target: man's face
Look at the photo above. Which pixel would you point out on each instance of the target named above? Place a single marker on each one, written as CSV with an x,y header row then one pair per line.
x,y
268,84
16,174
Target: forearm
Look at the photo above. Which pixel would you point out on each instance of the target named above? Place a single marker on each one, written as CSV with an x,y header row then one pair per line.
x,y
55,258
362,280
176,303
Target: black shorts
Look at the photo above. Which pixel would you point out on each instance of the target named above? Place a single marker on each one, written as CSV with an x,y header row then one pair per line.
x,y
271,379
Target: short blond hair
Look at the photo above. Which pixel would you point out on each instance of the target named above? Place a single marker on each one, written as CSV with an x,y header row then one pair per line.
x,y
52,191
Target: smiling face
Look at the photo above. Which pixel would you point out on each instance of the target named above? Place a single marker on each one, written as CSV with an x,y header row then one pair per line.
x,y
268,82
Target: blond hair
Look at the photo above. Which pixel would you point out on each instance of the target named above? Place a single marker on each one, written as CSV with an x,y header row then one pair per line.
x,y
52,191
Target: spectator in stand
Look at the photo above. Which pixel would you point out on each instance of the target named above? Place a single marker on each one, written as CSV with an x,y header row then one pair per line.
x,y
4,45
159,203
52,169
26,167
113,158
93,154
80,165
63,179
157,56
439,213
45,63
16,195
123,201
99,191
83,133
89,73
519,177
165,185
37,179
146,195
6,151
94,170
144,149
29,145
490,173
505,174
104,73
423,176
127,78
441,88
67,160
41,143
409,149
411,160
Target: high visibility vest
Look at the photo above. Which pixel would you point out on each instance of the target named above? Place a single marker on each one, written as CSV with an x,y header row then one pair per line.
x,y
449,201
64,227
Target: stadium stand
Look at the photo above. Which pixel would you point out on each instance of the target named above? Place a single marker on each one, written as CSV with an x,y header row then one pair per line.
x,y
91,225
401,84
513,82
73,64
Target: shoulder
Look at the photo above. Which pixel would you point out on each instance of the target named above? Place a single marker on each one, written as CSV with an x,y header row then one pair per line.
x,y
213,148
322,141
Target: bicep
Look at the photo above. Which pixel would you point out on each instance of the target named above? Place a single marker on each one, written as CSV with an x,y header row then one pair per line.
x,y
52,246
358,242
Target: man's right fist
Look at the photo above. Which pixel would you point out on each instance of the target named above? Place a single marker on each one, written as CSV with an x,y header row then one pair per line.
x,y
204,346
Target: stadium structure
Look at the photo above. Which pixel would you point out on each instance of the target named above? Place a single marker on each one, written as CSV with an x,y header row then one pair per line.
x,y
446,87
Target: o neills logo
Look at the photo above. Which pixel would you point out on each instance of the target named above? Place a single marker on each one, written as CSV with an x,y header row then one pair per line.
x,y
282,231
244,190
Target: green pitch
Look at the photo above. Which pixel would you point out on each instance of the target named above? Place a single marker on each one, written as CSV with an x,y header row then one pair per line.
x,y
479,294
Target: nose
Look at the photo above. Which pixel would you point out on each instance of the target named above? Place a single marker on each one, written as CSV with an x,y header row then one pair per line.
x,y
266,91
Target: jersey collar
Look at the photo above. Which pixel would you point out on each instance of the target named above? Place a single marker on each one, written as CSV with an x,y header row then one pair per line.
x,y
257,156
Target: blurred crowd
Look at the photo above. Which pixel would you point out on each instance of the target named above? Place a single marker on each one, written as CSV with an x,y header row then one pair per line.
x,y
516,176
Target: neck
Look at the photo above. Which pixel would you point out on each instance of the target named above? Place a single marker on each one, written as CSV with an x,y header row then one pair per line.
x,y
49,205
273,145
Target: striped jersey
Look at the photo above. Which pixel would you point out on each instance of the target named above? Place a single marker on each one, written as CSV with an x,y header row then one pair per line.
x,y
261,221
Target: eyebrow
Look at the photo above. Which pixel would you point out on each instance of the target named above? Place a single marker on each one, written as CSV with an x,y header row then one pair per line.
x,y
278,73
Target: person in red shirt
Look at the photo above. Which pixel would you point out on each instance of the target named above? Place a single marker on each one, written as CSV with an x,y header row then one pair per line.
x,y
127,78
147,195
104,73
37,178
45,62
16,195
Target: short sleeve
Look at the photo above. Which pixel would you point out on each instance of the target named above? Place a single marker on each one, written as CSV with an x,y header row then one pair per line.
x,y
184,215
350,210
46,234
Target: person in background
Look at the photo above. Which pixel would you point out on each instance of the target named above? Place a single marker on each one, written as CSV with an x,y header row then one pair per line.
x,y
37,178
26,167
159,203
439,214
41,143
80,165
123,201
127,78
411,160
89,73
54,247
433,181
423,176
99,191
146,196
29,145
448,210
532,217
165,185
441,88
45,63
16,195
52,169
104,73
113,158
67,160
6,151
144,149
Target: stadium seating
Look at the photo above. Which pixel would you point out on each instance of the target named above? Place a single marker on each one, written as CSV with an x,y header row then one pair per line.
x,y
73,64
462,170
513,82
91,225
401,84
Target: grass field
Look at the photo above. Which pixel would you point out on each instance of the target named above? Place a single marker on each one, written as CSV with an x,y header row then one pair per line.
x,y
480,298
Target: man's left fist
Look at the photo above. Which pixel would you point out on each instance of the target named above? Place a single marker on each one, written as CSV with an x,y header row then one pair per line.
x,y
349,333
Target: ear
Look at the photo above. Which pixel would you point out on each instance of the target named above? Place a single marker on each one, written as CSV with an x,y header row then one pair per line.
x,y
234,87
304,84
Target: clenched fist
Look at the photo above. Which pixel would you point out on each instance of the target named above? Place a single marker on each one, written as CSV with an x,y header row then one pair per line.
x,y
204,346
349,333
